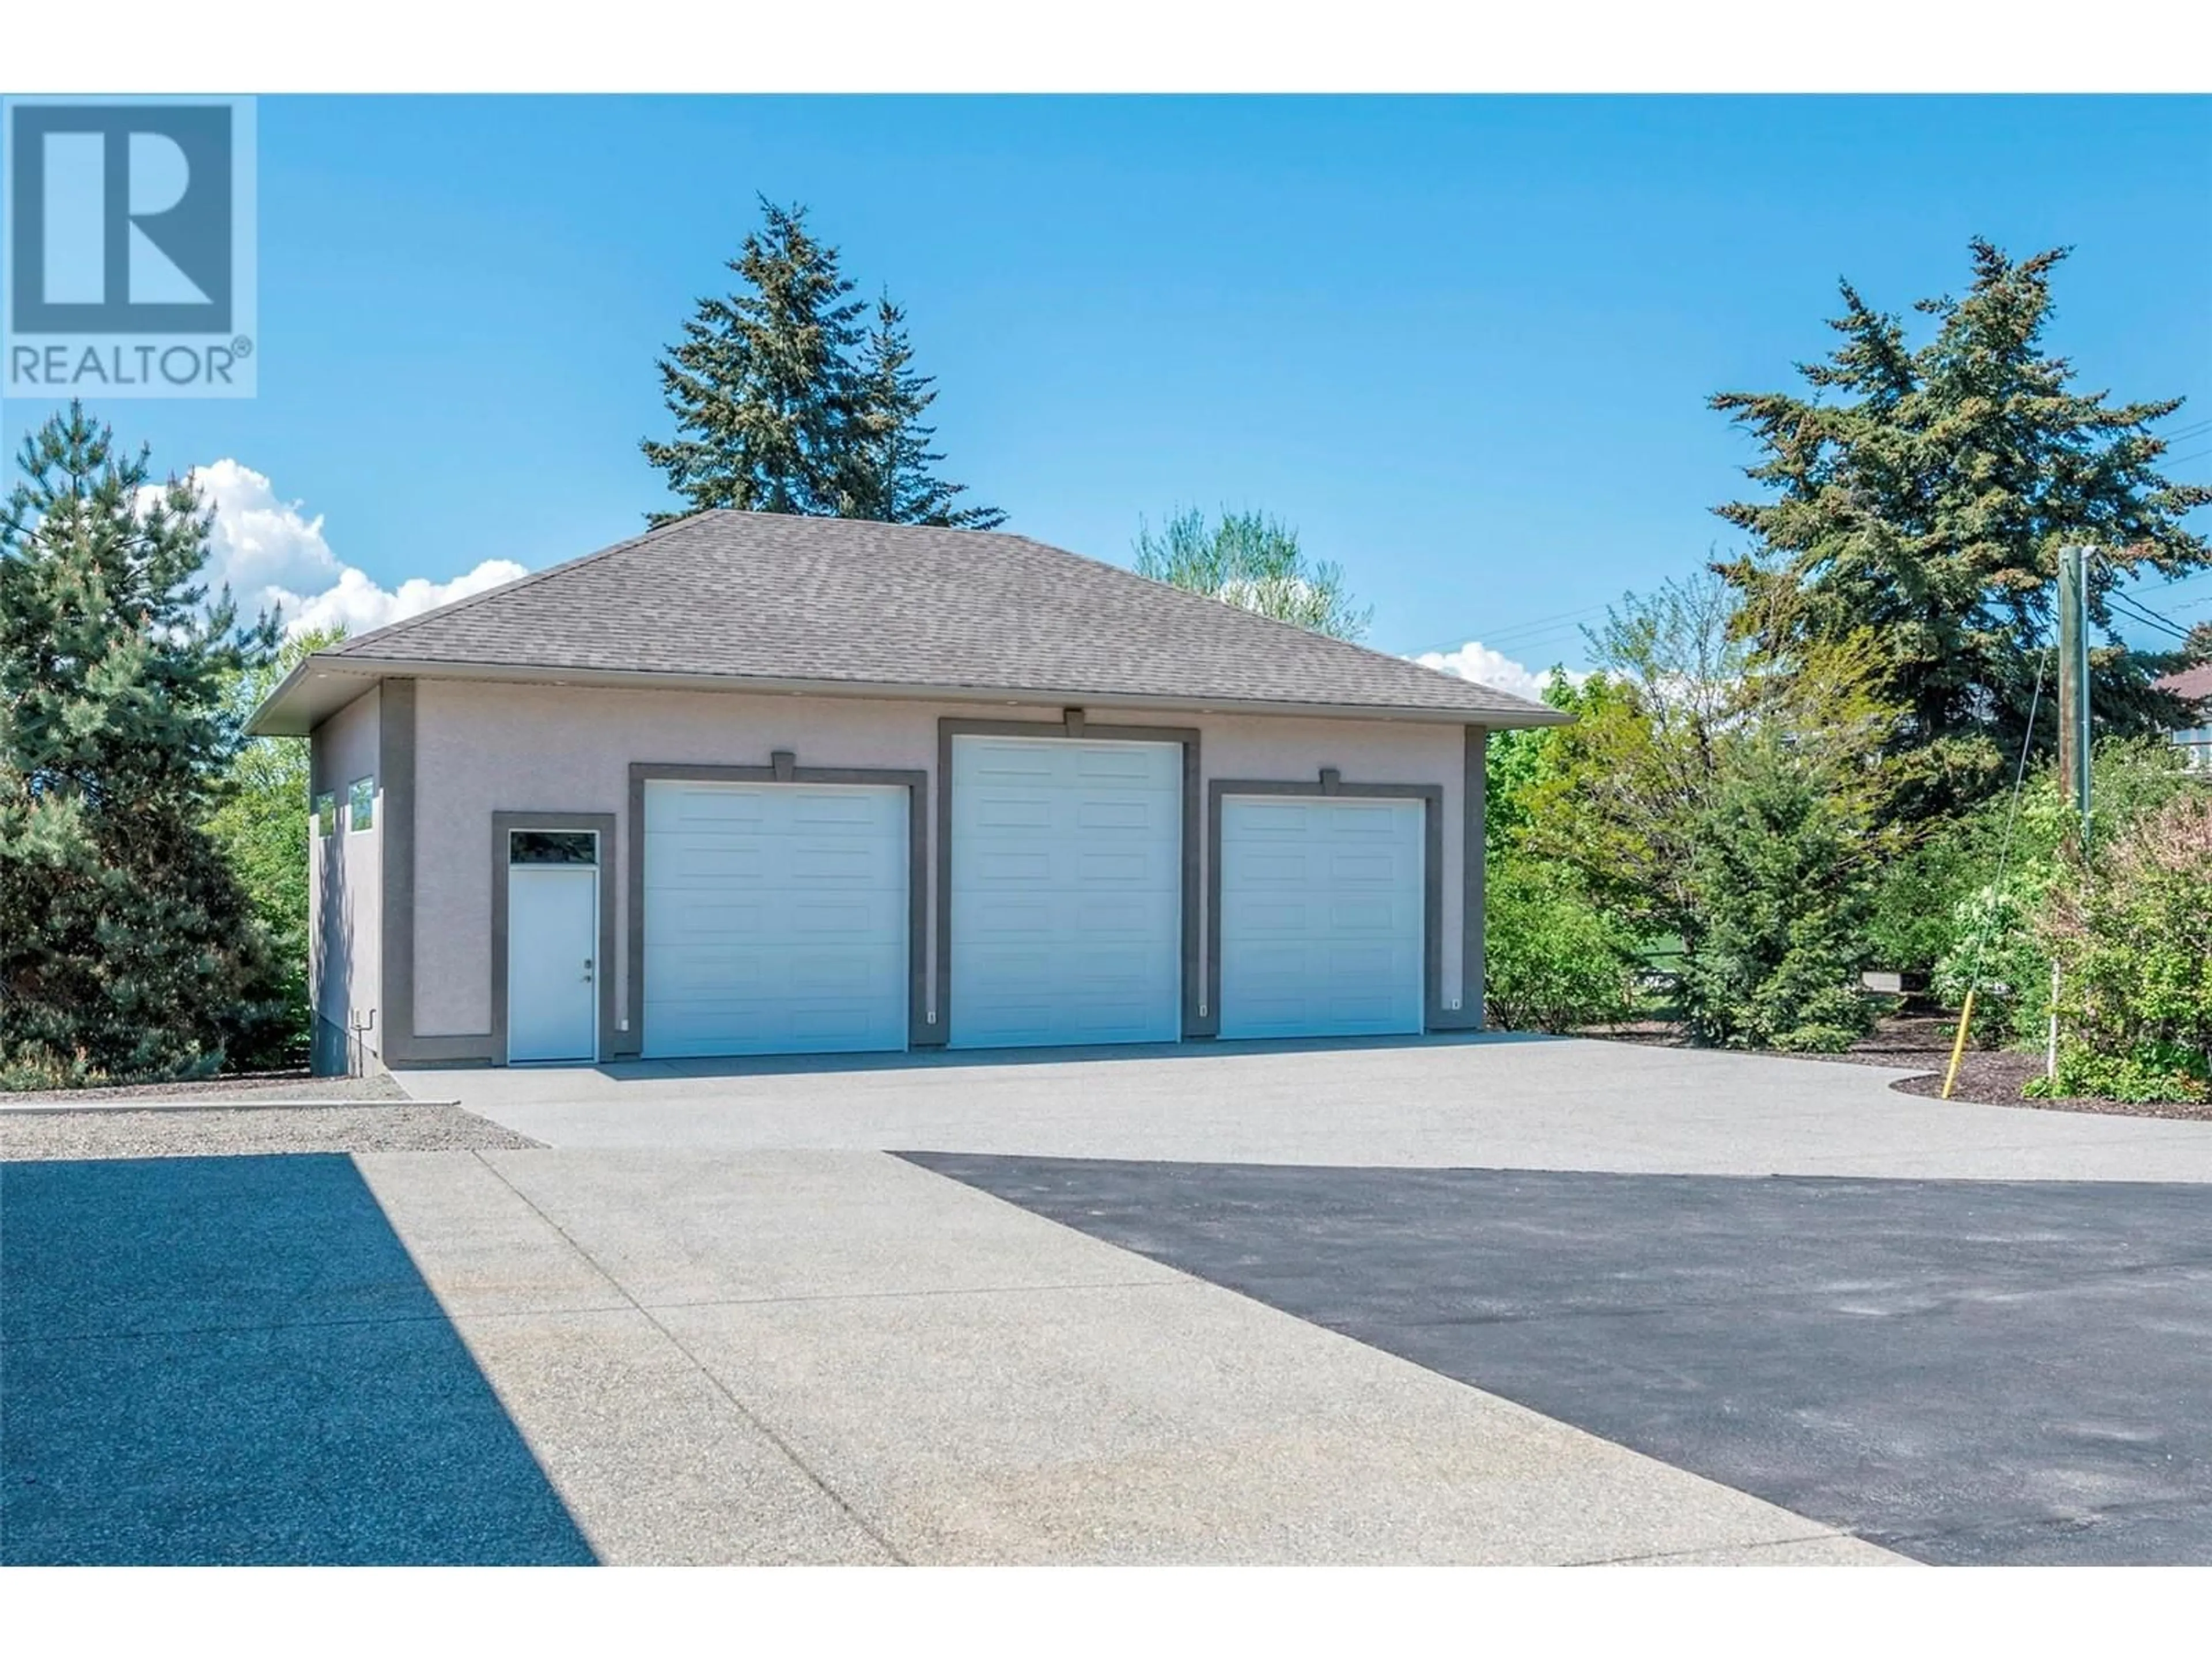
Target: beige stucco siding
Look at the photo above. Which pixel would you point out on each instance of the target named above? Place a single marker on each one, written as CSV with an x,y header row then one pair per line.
x,y
345,888
482,748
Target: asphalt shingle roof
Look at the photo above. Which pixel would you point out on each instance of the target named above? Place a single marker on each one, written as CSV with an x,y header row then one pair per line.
x,y
753,595
2194,683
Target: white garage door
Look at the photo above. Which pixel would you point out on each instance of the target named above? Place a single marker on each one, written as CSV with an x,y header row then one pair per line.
x,y
775,917
1321,916
1066,892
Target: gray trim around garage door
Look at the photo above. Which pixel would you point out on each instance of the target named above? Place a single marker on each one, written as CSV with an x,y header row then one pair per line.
x,y
783,768
1072,725
1331,785
603,824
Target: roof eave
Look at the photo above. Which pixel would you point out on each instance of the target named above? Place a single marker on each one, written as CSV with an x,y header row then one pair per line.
x,y
322,684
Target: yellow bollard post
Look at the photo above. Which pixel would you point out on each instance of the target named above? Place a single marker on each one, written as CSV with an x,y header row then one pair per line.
x,y
1958,1048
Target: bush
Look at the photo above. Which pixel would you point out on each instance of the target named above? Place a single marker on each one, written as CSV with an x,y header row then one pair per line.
x,y
1554,961
2133,780
1785,897
2157,1072
2132,932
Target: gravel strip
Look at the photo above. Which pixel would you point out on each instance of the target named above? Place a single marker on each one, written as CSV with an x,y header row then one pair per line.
x,y
215,1133
275,1085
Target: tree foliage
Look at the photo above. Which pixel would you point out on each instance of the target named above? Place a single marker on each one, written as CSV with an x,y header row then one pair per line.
x,y
2133,937
891,472
1784,885
1716,804
1252,561
785,402
1921,494
1552,960
127,945
262,827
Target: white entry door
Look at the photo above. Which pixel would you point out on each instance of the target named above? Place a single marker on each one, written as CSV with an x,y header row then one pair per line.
x,y
1321,916
775,917
1066,892
552,945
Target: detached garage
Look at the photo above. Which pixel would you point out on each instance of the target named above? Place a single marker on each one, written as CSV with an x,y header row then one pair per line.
x,y
757,785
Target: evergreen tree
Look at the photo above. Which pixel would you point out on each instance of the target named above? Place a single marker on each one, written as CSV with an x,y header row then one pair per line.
x,y
892,476
1922,495
785,403
127,945
761,386
1253,561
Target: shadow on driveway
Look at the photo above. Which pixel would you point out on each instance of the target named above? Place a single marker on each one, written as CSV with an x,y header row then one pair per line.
x,y
215,1360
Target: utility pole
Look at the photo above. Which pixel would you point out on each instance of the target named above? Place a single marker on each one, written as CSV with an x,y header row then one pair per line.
x,y
2074,678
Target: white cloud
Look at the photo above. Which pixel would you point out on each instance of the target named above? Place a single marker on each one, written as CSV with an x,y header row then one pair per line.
x,y
357,605
273,556
1477,661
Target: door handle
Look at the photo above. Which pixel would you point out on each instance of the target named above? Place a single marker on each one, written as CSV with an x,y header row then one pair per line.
x,y
587,970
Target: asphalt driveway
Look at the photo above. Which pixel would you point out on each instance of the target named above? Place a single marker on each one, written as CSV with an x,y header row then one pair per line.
x,y
1960,1371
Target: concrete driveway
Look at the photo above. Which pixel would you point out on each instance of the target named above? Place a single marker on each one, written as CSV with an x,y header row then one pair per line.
x,y
733,1358
1965,1332
1486,1102
1237,1304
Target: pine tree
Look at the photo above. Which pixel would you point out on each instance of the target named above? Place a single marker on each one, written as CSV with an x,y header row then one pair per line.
x,y
1922,495
127,945
762,386
892,474
785,403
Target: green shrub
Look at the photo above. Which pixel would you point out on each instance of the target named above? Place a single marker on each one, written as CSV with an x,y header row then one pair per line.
x,y
1785,895
2133,780
2157,1072
36,1067
1554,961
2132,932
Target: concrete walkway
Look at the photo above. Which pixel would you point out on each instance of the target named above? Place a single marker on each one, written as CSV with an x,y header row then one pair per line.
x,y
836,1356
1492,1103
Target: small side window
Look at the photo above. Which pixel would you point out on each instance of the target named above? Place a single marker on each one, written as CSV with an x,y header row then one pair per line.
x,y
552,846
361,804
326,814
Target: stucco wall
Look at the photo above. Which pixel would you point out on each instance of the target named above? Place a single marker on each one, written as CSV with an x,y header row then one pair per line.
x,y
346,889
481,748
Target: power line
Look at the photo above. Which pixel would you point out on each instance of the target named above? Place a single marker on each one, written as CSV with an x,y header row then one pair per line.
x,y
2149,618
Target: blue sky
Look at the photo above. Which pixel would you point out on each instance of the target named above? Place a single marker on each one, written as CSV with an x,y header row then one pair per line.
x,y
1463,345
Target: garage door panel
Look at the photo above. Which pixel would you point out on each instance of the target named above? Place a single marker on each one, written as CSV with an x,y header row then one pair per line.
x,y
1322,917
1066,897
775,917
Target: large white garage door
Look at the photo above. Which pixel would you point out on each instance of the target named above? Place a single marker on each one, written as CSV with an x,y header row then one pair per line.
x,y
1321,916
775,917
1066,892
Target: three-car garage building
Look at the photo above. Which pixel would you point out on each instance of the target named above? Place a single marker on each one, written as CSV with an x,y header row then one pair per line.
x,y
760,785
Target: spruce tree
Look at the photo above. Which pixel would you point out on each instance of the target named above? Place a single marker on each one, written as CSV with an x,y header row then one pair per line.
x,y
892,466
784,403
1922,495
127,946
760,385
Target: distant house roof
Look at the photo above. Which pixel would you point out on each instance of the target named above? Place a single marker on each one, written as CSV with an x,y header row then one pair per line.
x,y
2195,683
754,599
